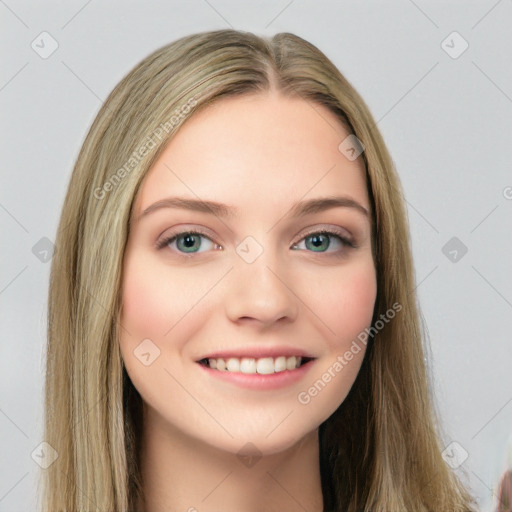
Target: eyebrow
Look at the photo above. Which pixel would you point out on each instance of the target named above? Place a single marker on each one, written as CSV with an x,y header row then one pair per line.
x,y
299,209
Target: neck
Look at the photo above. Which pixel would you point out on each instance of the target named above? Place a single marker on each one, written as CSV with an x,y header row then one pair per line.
x,y
183,474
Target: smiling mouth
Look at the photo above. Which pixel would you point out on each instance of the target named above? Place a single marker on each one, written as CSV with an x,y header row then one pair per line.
x,y
250,365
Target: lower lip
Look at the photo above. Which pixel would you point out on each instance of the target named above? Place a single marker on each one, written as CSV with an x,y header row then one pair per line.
x,y
260,381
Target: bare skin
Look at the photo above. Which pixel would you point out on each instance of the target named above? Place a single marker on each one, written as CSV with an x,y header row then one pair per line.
x,y
210,444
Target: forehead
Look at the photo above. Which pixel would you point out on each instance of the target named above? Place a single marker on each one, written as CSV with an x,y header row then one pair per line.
x,y
255,150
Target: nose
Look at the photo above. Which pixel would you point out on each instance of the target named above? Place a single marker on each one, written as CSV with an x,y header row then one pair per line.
x,y
261,292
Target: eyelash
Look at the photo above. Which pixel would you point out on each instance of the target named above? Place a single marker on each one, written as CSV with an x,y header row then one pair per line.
x,y
334,233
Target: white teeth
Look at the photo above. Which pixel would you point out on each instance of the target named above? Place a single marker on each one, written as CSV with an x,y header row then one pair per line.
x,y
291,363
280,364
233,365
264,365
247,365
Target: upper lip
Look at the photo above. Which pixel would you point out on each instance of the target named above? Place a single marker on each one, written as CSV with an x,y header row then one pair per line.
x,y
258,353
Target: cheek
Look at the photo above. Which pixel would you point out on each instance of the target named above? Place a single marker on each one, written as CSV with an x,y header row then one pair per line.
x,y
151,308
153,301
162,304
347,302
143,313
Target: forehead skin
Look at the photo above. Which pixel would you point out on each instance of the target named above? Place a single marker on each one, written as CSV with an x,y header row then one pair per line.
x,y
253,150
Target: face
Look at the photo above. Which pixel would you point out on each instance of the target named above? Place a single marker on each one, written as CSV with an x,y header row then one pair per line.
x,y
250,285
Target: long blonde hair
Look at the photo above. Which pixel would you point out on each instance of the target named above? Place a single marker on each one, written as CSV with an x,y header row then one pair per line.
x,y
381,450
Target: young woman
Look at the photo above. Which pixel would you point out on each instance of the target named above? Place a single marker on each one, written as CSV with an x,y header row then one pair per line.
x,y
232,316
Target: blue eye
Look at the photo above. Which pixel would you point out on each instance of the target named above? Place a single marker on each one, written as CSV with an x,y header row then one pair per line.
x,y
321,241
188,242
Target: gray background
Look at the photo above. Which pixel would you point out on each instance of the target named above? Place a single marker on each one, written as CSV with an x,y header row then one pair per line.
x,y
447,123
